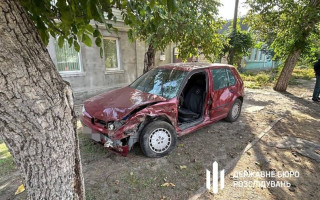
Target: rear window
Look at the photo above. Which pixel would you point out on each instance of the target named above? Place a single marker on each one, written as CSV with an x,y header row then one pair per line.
x,y
232,79
222,78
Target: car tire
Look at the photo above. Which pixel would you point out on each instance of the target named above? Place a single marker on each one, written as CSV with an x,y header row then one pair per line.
x,y
158,139
234,111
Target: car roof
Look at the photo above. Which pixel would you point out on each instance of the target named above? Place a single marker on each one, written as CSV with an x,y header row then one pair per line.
x,y
189,66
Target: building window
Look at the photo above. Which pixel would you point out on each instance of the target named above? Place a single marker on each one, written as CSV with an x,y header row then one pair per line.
x,y
257,55
261,56
67,59
249,56
111,53
253,52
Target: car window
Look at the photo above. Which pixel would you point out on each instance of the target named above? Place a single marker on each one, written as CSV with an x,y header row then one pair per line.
x,y
232,80
220,78
161,82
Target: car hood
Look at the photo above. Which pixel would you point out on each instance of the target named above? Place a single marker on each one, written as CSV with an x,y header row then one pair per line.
x,y
117,104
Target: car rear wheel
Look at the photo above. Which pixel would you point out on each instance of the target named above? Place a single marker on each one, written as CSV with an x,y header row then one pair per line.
x,y
235,111
158,139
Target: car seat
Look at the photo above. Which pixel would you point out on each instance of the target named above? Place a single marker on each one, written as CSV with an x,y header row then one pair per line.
x,y
192,103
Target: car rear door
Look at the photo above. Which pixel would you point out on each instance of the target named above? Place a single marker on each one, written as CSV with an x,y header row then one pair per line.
x,y
221,92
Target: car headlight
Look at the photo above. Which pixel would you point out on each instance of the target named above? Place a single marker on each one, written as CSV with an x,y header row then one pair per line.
x,y
114,125
111,126
83,110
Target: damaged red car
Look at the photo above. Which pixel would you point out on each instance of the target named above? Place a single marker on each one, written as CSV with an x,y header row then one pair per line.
x,y
163,104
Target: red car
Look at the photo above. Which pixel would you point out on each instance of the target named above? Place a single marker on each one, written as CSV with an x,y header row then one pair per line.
x,y
163,104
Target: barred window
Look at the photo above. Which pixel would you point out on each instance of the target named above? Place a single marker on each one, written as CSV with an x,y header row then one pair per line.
x,y
66,58
111,53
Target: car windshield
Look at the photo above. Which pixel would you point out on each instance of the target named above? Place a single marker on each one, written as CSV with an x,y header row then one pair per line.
x,y
161,82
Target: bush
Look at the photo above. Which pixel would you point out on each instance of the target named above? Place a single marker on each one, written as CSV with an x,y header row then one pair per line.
x,y
263,79
260,79
303,73
257,79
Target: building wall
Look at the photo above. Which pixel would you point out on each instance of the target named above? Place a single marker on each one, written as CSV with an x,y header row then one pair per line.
x,y
258,60
168,56
95,79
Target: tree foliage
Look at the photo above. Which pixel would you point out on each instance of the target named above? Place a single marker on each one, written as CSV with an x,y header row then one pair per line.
x,y
193,26
312,51
77,21
190,24
287,25
70,20
237,44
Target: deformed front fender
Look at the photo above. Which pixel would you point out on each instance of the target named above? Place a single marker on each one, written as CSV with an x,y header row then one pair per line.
x,y
166,111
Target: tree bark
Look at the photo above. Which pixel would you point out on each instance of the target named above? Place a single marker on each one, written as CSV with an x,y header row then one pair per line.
x,y
149,59
286,72
230,57
37,119
234,29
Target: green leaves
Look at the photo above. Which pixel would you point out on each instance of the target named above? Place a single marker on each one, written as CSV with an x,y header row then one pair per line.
x,y
101,52
70,20
60,41
285,25
172,5
237,45
86,40
192,25
98,41
76,46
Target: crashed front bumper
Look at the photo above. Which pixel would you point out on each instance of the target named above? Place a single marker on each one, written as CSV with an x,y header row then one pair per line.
x,y
115,145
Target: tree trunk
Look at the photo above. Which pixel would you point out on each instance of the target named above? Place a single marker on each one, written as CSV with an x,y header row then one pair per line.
x,y
239,67
149,59
37,119
286,72
230,57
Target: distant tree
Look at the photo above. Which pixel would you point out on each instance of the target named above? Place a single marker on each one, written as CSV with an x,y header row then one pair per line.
x,y
237,45
193,26
290,25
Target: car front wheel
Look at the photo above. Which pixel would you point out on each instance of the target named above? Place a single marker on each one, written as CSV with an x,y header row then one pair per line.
x,y
235,111
158,139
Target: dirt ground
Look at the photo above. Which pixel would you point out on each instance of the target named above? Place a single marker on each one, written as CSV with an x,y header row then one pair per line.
x,y
182,174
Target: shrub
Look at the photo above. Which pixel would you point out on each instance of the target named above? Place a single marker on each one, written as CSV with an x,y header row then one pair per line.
x,y
303,73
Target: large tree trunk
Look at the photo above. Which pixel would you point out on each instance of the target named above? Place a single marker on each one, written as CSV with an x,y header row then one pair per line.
x,y
37,119
286,72
149,59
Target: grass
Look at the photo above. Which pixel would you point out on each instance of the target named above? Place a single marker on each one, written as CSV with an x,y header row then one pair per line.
x,y
6,161
261,79
89,146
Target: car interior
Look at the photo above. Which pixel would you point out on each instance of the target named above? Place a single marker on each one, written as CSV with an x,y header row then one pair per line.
x,y
191,100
